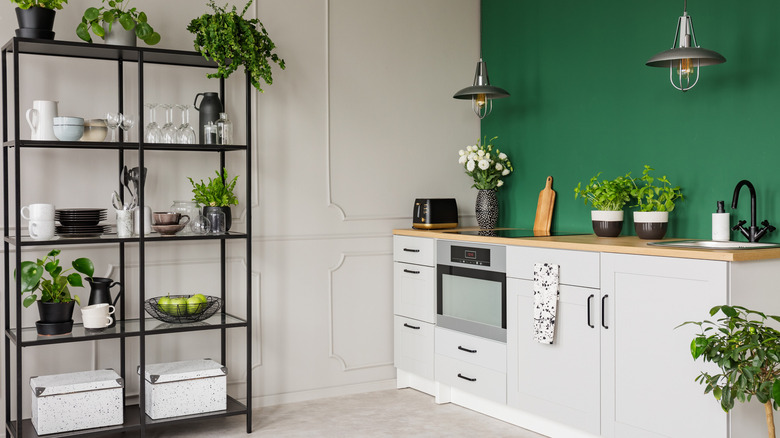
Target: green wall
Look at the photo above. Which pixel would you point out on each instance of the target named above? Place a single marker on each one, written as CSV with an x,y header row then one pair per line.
x,y
582,101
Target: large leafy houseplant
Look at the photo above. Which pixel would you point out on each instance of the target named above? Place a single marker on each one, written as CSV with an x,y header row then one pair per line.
x,y
54,289
606,195
46,4
485,165
117,11
747,352
217,192
655,193
232,40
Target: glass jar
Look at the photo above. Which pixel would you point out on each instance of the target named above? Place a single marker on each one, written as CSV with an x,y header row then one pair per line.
x,y
224,130
200,225
217,218
186,208
210,133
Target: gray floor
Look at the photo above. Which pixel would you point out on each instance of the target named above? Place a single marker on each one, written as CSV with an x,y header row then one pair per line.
x,y
392,413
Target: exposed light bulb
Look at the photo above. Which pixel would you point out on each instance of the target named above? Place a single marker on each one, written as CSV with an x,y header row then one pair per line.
x,y
686,68
481,100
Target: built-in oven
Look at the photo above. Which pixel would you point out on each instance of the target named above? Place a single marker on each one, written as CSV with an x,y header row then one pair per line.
x,y
471,288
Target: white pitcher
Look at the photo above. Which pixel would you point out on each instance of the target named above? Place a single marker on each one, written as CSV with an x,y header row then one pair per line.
x,y
41,119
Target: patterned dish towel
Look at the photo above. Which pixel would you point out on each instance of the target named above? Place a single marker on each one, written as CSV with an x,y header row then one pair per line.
x,y
545,301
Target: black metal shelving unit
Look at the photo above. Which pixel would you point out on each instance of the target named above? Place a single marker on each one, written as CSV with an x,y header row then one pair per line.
x,y
18,337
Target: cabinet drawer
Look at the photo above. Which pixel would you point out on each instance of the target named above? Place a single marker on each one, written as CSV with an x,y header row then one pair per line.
x,y
577,268
414,291
414,346
477,380
483,352
416,250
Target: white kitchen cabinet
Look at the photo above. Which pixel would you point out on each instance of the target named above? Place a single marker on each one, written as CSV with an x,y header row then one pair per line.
x,y
414,293
470,363
558,381
647,372
414,346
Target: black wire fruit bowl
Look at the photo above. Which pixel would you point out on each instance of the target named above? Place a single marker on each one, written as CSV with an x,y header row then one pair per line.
x,y
182,313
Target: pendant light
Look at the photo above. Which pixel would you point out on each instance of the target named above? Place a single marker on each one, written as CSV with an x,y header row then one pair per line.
x,y
685,57
481,93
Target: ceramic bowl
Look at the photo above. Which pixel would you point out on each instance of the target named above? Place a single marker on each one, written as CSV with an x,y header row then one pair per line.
x,y
95,130
68,128
166,218
168,230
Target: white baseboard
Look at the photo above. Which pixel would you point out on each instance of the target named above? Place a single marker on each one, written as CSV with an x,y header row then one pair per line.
x,y
314,394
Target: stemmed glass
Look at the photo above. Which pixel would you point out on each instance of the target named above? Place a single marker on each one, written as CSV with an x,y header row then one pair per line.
x,y
112,121
126,124
153,133
169,133
186,132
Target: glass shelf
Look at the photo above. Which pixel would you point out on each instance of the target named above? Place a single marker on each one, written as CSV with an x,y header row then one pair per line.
x,y
111,238
126,328
70,145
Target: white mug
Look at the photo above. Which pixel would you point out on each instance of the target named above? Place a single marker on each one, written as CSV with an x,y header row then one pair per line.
x,y
41,230
38,212
41,119
97,316
124,223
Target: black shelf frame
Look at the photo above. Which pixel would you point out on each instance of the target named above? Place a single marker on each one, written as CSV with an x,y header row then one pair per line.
x,y
16,426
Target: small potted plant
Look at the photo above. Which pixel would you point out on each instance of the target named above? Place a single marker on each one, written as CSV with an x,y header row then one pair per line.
x,y
105,22
607,198
487,167
231,41
655,198
55,303
217,193
747,351
36,17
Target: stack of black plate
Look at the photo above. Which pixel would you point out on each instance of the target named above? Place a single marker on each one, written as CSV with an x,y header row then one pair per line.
x,y
80,222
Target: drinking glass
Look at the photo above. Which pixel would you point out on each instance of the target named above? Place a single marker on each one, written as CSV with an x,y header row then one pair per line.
x,y
153,133
186,131
126,124
169,134
112,121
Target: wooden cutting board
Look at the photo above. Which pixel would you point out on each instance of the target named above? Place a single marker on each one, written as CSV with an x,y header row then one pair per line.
x,y
544,209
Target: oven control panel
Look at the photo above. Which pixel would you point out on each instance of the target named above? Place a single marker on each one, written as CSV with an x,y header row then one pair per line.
x,y
470,256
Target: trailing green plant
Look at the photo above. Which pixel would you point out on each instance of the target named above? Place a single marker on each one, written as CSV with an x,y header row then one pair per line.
x,y
606,195
232,40
46,4
117,11
215,193
653,196
55,289
747,351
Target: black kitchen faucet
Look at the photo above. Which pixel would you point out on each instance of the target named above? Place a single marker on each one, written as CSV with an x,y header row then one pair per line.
x,y
753,234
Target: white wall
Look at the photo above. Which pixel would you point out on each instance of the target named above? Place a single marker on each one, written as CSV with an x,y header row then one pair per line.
x,y
360,123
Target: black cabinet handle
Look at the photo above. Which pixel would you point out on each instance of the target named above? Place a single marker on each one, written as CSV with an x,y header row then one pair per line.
x,y
603,324
466,349
409,271
590,298
467,378
411,326
411,250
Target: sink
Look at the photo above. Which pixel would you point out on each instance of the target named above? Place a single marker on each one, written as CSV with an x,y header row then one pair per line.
x,y
712,244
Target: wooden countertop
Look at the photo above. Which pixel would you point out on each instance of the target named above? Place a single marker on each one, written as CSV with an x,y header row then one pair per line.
x,y
590,242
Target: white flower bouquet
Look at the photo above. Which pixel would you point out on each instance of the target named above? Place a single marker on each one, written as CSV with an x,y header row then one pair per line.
x,y
485,165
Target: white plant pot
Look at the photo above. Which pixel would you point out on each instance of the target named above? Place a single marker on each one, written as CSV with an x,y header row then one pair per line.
x,y
651,224
607,223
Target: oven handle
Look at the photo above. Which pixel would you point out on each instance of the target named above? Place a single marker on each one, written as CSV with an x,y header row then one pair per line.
x,y
409,271
466,349
590,298
470,379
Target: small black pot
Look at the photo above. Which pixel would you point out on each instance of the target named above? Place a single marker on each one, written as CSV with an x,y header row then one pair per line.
x,y
35,22
228,216
56,318
607,228
651,230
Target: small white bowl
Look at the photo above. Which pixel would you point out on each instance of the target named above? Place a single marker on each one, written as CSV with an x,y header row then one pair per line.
x,y
68,128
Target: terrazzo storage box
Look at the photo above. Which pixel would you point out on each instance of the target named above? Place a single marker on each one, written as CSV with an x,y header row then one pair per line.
x,y
185,388
76,401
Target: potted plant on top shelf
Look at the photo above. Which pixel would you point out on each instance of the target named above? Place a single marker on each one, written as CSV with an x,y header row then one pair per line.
x,y
217,194
117,24
55,303
655,199
36,17
607,198
232,40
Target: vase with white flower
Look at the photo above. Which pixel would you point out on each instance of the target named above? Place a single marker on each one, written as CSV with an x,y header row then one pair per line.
x,y
487,166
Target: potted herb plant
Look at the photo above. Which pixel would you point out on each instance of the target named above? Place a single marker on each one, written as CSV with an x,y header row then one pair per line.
x,y
36,17
607,198
104,22
747,351
232,40
655,198
55,303
487,167
217,193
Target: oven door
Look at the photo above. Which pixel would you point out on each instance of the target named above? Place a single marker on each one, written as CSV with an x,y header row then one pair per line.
x,y
471,301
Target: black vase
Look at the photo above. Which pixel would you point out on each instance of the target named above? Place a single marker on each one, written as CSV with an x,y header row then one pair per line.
x,y
35,22
56,318
487,209
228,216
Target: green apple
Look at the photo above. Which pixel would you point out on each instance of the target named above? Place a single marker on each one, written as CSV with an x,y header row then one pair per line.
x,y
195,305
178,306
164,304
201,297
